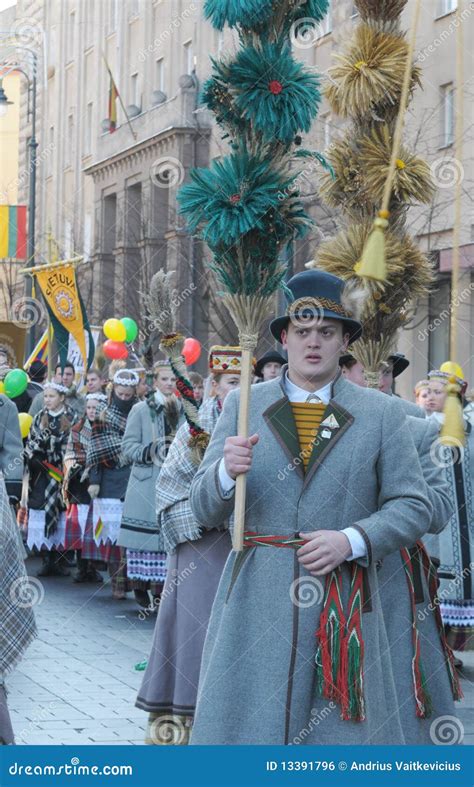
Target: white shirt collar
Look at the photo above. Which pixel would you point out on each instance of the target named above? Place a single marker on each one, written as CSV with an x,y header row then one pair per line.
x,y
297,394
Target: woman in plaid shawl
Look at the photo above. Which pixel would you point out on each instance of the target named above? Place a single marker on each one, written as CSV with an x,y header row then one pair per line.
x,y
196,561
44,455
17,622
109,470
79,530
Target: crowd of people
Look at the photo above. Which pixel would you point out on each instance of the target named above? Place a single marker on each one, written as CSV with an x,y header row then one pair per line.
x,y
110,482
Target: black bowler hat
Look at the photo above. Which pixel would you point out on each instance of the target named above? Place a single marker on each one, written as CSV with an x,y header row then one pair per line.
x,y
272,356
399,363
345,359
317,294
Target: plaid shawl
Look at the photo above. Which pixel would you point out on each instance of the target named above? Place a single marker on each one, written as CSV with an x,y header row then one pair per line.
x,y
17,622
176,521
105,445
76,450
77,444
46,443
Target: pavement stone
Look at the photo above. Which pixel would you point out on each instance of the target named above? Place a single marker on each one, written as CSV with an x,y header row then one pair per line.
x,y
77,684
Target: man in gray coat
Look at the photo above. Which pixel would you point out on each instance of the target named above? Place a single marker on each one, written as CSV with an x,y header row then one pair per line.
x,y
296,649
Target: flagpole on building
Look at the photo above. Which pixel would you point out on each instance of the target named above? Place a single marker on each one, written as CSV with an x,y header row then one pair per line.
x,y
119,97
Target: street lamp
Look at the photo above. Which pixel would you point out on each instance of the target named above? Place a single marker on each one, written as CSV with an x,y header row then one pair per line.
x,y
4,102
12,66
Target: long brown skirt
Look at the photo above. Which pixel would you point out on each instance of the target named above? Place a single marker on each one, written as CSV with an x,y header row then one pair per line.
x,y
171,679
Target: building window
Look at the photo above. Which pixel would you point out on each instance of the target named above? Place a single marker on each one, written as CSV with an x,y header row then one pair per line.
x,y
447,115
68,239
71,37
69,140
88,130
111,16
444,7
133,9
49,160
439,320
160,74
135,97
188,57
220,42
325,26
326,130
87,244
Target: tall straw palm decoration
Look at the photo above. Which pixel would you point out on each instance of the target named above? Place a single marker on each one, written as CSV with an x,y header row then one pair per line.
x,y
246,207
376,177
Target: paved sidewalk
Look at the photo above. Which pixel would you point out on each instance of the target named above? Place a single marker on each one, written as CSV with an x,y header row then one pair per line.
x,y
77,683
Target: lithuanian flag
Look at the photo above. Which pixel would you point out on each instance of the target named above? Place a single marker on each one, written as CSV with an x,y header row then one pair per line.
x,y
113,95
54,472
13,232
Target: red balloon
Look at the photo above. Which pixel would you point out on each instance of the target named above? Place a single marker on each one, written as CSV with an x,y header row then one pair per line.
x,y
191,350
115,350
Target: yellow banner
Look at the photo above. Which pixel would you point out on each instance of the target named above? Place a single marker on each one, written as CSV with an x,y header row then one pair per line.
x,y
60,291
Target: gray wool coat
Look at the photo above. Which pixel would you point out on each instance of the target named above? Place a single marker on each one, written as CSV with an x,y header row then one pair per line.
x,y
139,526
257,682
396,605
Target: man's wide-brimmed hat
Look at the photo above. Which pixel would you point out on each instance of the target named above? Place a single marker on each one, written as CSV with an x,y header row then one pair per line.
x,y
399,363
315,295
272,356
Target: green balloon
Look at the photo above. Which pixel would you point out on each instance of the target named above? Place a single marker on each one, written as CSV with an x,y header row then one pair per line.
x,y
131,328
15,383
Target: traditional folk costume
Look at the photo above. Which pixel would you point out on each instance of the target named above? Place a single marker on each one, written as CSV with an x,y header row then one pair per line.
x,y
109,470
44,455
74,401
196,560
454,546
151,427
79,513
357,479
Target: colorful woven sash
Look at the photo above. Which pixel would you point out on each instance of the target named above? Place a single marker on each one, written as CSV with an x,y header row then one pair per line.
x,y
340,651
422,696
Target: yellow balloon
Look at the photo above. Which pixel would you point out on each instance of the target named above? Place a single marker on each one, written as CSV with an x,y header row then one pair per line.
x,y
2,387
25,420
115,330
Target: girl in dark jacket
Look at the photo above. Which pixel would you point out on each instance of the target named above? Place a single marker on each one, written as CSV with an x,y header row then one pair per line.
x,y
44,456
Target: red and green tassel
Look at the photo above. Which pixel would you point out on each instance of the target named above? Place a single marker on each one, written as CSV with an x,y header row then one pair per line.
x,y
352,662
330,636
432,582
422,696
